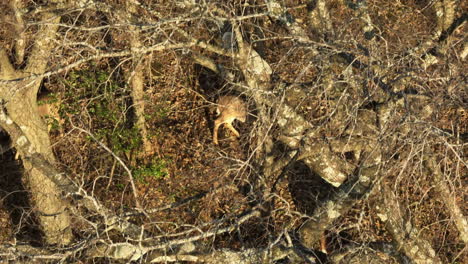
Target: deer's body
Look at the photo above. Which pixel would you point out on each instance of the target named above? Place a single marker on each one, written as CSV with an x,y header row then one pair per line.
x,y
48,108
229,109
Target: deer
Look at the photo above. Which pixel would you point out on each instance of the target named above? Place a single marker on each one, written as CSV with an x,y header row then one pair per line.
x,y
48,108
229,108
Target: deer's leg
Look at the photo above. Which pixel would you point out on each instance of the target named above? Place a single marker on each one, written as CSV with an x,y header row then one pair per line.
x,y
215,131
323,243
229,125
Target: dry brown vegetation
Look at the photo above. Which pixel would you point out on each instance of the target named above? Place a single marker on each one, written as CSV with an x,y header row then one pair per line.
x,y
355,141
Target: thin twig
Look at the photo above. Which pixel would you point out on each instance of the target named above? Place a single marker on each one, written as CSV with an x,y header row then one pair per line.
x,y
129,172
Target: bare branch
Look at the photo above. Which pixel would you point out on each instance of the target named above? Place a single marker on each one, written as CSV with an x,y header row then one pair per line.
x,y
62,181
20,45
449,199
404,233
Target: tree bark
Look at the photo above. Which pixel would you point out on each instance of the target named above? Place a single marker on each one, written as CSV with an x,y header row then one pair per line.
x,y
20,97
406,236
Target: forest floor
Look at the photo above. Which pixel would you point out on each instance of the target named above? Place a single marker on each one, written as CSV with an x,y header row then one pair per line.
x,y
201,181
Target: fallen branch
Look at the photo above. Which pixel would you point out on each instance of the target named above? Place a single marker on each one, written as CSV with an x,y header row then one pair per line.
x,y
405,234
448,198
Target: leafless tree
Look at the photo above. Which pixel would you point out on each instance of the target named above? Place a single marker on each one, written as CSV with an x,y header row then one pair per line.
x,y
357,122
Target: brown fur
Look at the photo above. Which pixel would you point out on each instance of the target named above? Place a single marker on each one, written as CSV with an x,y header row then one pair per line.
x,y
229,109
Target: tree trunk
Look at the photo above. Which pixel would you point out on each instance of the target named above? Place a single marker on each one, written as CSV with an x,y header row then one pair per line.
x,y
20,102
